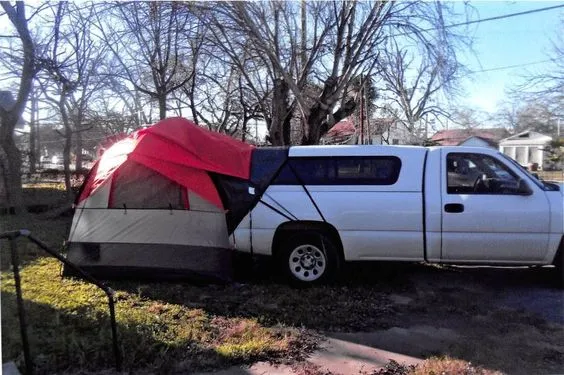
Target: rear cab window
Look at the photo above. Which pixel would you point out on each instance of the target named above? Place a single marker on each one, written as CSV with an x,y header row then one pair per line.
x,y
342,170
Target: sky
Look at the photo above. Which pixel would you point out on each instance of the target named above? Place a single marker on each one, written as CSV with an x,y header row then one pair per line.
x,y
512,41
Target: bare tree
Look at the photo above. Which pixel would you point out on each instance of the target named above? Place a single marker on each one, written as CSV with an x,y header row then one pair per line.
x,y
546,86
412,84
155,45
70,79
10,113
338,42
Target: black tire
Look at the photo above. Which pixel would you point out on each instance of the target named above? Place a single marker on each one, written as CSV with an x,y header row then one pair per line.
x,y
308,258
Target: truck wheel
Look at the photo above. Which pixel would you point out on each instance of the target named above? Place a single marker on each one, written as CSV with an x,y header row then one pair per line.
x,y
309,258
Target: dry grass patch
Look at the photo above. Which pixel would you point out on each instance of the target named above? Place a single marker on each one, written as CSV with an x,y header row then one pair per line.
x,y
449,365
436,366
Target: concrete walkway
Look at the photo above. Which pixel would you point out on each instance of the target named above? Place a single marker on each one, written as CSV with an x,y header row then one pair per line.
x,y
335,356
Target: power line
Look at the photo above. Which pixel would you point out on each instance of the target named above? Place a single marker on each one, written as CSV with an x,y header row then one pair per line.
x,y
509,15
510,66
506,16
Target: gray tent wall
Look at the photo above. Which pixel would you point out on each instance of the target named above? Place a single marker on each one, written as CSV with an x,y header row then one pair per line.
x,y
138,226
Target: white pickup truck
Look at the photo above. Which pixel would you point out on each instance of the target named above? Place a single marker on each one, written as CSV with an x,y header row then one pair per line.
x,y
460,205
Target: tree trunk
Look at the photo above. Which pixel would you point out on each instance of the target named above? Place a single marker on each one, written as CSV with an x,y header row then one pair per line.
x,y
33,135
245,120
193,108
78,151
279,130
10,156
67,160
11,196
162,106
67,148
318,124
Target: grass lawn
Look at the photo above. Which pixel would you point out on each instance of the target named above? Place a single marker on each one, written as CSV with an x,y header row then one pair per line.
x,y
160,329
184,327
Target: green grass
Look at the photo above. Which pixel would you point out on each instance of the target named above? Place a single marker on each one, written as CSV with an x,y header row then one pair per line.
x,y
69,329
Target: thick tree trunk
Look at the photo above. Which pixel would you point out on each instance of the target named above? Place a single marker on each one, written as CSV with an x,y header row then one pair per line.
x,y
162,107
11,196
318,124
279,130
10,156
244,131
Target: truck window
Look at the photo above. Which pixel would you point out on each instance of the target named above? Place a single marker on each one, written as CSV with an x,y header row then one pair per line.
x,y
469,173
349,170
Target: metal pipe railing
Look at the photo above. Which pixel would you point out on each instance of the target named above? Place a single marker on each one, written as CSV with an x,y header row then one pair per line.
x,y
12,237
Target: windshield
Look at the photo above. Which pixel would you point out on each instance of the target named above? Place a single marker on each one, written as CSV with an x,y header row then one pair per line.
x,y
535,180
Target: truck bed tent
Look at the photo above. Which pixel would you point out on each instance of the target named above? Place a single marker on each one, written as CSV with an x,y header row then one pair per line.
x,y
163,201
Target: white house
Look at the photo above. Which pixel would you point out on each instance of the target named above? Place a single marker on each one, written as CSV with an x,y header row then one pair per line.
x,y
527,148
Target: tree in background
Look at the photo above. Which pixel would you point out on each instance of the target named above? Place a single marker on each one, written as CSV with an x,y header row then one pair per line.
x,y
538,103
155,46
411,83
337,42
70,77
10,114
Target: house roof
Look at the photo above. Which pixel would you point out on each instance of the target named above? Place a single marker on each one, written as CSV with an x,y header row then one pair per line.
x,y
527,137
342,128
340,132
489,141
454,137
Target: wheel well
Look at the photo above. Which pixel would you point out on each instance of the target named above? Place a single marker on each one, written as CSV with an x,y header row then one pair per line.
x,y
297,226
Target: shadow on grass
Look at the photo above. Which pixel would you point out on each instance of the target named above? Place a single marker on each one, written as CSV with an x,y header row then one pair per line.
x,y
73,342
70,330
359,303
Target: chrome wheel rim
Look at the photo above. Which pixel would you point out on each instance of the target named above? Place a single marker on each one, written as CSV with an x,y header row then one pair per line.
x,y
307,262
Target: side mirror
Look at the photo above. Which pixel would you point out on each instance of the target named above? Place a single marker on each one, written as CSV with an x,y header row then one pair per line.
x,y
523,188
536,175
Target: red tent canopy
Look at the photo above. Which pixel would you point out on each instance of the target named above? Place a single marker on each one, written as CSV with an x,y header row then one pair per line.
x,y
179,150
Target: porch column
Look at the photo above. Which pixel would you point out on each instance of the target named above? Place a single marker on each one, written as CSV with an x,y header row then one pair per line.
x,y
526,162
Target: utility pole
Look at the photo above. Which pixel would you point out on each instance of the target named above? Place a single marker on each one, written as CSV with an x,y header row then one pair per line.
x,y
304,35
361,109
366,108
303,56
426,126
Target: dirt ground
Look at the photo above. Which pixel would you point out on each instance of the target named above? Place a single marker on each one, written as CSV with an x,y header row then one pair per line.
x,y
506,319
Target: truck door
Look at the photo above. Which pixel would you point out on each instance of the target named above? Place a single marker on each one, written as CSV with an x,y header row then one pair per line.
x,y
491,212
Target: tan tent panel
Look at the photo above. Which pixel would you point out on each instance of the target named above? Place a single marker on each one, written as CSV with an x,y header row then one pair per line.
x,y
151,227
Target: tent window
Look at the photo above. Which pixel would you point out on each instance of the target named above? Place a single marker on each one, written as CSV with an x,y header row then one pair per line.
x,y
136,186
